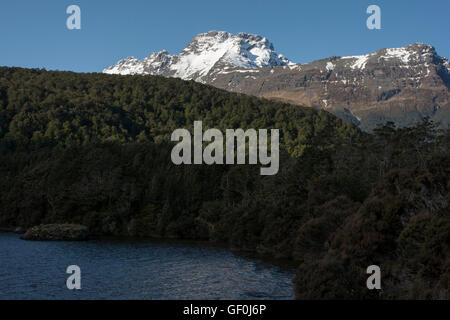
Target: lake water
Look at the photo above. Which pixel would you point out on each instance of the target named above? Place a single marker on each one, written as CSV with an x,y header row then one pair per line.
x,y
112,269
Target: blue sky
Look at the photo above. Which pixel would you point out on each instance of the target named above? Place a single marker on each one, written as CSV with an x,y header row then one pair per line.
x,y
34,34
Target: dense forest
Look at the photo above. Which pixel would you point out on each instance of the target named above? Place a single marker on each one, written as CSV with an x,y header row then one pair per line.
x,y
94,149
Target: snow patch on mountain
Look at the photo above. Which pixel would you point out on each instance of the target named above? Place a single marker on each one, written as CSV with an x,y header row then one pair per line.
x,y
128,66
359,61
403,54
329,66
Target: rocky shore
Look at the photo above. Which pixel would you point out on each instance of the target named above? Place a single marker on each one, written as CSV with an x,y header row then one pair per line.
x,y
57,232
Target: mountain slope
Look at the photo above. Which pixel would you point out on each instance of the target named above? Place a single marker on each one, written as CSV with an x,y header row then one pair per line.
x,y
403,85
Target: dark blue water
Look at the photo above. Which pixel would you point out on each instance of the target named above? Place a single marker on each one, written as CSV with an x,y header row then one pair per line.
x,y
135,270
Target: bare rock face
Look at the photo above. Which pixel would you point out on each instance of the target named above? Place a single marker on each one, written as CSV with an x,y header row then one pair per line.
x,y
402,85
57,232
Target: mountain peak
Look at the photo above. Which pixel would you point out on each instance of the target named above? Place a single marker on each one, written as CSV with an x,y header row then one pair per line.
x,y
206,52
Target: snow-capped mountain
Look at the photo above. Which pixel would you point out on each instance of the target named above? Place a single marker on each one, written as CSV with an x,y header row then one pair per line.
x,y
155,64
395,84
206,53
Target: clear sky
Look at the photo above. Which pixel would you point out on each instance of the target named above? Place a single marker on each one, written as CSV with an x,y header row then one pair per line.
x,y
34,33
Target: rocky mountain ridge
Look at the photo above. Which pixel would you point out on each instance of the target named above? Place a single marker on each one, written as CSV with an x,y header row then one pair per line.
x,y
403,85
205,54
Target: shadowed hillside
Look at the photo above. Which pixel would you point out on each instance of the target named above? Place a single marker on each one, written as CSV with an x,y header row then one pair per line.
x,y
95,149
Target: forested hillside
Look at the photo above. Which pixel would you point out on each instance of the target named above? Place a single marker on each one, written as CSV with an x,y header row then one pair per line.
x,y
95,149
